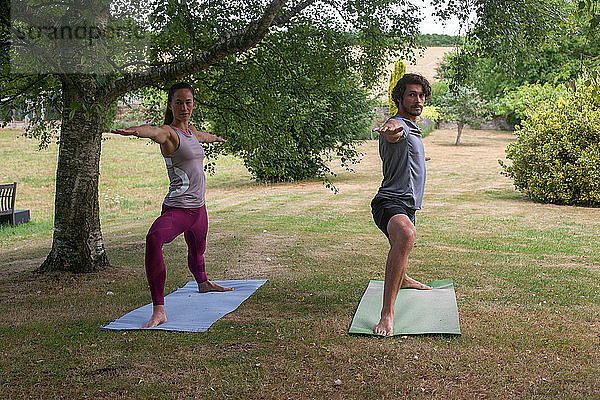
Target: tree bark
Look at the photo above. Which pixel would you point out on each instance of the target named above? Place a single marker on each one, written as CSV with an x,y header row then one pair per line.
x,y
77,244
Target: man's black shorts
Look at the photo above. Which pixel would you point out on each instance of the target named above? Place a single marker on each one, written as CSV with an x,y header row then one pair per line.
x,y
384,209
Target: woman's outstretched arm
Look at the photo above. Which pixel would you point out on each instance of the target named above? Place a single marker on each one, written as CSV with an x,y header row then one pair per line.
x,y
160,134
163,135
205,137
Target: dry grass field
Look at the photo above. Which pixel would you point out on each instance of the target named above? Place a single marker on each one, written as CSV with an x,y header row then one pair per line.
x,y
426,63
526,277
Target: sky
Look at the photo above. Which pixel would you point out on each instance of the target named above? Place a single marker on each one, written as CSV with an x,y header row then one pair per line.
x,y
431,24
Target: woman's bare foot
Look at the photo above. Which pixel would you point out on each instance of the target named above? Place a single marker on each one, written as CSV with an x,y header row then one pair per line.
x,y
208,286
385,327
410,283
158,317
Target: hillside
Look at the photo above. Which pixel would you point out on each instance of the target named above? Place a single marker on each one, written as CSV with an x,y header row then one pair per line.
x,y
425,64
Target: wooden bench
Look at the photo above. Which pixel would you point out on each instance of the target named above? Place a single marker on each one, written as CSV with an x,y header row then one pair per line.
x,y
7,206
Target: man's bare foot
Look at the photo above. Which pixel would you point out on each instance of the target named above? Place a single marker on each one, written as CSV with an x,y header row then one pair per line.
x,y
208,286
158,317
385,327
410,283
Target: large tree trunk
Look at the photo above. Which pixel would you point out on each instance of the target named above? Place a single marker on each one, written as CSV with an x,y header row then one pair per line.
x,y
77,244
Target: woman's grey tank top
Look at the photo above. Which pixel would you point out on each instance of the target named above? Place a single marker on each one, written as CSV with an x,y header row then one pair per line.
x,y
185,167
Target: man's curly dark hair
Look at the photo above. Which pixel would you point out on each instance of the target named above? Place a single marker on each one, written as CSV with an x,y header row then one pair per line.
x,y
407,79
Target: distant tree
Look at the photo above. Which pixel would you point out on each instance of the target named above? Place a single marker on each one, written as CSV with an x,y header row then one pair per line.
x,y
463,106
562,59
545,41
438,40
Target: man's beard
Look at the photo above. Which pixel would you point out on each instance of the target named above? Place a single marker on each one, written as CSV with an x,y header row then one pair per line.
x,y
414,114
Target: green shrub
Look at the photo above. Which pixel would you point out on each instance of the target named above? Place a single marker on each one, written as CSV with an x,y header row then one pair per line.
x,y
432,113
517,103
429,120
427,126
144,106
556,158
438,91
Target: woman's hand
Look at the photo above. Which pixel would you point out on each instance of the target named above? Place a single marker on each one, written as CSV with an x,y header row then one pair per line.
x,y
126,131
217,138
205,137
160,134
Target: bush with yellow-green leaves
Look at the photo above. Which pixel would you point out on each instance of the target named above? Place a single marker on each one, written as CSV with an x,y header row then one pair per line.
x,y
432,113
399,71
556,157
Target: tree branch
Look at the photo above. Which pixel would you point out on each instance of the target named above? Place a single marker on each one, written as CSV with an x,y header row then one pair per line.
x,y
286,16
230,43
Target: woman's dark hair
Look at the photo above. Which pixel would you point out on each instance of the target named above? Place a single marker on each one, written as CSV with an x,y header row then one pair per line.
x,y
175,87
407,79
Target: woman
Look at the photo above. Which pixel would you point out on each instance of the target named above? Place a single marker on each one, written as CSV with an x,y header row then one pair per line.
x,y
183,209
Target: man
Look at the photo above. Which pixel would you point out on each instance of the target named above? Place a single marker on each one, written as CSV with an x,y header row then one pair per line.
x,y
401,192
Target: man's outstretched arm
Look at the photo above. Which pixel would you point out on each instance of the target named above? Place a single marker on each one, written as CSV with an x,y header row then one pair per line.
x,y
392,129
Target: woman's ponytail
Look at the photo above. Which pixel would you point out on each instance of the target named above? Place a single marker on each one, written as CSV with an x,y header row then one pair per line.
x,y
168,116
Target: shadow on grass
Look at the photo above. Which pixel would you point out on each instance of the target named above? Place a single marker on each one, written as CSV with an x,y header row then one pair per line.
x,y
399,337
462,144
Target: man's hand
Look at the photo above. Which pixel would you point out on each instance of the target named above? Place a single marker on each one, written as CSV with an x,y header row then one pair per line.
x,y
392,129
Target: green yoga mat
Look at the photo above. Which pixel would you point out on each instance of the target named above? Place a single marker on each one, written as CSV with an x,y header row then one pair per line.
x,y
416,311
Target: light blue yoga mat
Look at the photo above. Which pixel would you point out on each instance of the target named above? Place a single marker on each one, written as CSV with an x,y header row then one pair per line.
x,y
190,311
415,311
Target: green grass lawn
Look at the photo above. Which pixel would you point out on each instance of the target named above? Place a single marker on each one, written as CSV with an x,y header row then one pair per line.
x,y
526,275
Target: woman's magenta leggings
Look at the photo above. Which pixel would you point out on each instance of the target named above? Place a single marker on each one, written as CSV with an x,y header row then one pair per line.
x,y
193,223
